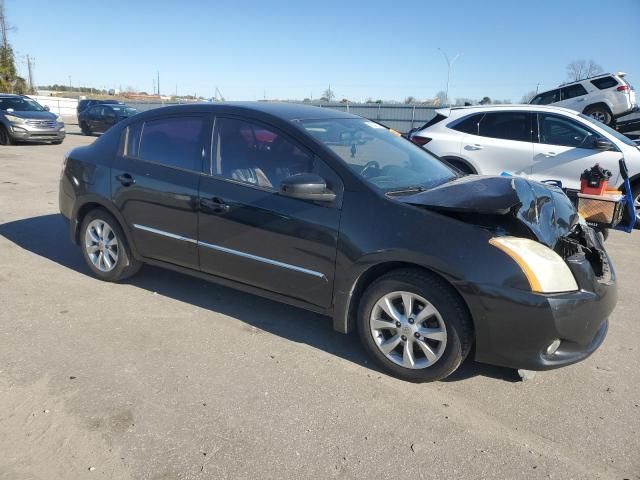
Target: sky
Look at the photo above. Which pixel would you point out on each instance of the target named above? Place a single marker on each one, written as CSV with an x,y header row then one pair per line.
x,y
295,49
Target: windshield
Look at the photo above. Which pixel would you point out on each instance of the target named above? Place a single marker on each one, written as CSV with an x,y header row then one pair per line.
x,y
20,104
614,133
382,158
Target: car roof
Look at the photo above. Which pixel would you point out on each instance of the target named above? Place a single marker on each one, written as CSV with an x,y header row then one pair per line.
x,y
281,110
512,106
11,95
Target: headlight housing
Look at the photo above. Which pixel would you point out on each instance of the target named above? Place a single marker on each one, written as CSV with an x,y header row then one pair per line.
x,y
14,119
545,270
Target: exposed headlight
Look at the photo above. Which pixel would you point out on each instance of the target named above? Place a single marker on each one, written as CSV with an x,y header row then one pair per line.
x,y
14,119
545,270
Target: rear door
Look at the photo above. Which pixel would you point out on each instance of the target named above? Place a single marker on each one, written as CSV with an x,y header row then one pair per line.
x,y
573,97
250,233
503,143
155,185
565,148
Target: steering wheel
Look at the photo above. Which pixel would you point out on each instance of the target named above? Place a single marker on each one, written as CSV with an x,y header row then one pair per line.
x,y
369,168
584,140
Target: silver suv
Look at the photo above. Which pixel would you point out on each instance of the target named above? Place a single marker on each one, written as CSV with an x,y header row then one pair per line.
x,y
23,119
604,97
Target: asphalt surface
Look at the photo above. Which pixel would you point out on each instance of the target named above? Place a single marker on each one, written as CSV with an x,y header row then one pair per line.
x,y
169,377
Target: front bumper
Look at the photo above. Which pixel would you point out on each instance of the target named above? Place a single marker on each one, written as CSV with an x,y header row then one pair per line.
x,y
514,327
25,133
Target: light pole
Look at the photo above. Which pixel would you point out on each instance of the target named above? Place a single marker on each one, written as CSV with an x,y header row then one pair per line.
x,y
449,65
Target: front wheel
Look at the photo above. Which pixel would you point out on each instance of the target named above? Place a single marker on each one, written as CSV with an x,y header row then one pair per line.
x,y
5,138
105,247
415,325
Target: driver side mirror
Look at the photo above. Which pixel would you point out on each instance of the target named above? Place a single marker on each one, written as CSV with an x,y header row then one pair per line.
x,y
602,144
306,186
46,107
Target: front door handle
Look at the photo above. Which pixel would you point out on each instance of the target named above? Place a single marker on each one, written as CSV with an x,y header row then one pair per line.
x,y
214,205
550,154
475,146
126,179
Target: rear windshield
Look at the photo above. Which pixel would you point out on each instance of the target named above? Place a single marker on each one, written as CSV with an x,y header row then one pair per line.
x,y
604,82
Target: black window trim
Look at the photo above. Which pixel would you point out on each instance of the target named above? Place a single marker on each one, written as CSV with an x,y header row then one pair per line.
x,y
457,121
534,129
206,145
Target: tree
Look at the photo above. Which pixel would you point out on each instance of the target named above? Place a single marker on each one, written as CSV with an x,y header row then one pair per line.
x,y
581,69
409,100
485,101
441,98
465,101
527,97
9,79
328,95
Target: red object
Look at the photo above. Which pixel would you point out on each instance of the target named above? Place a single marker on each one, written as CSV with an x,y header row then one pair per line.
x,y
623,88
595,180
420,141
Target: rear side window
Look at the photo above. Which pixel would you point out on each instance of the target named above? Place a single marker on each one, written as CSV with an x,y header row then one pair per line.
x,y
507,126
546,98
604,82
172,141
572,91
468,124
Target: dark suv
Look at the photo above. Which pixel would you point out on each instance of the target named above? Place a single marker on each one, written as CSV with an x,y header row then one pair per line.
x,y
339,215
89,102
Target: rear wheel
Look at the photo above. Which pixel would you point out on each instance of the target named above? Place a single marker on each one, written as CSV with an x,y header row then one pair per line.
x,y
600,113
414,325
5,138
461,165
105,247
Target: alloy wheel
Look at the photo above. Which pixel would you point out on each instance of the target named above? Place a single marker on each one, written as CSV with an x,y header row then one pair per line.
x,y
599,116
408,330
101,245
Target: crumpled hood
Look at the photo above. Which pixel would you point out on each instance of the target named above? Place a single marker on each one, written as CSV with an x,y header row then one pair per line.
x,y
544,209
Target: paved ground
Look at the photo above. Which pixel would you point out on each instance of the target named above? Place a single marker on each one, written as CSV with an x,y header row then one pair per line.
x,y
168,377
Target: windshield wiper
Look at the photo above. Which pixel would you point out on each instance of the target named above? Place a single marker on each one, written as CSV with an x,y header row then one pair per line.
x,y
407,190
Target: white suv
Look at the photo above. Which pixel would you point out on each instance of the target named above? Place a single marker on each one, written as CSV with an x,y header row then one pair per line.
x,y
604,97
541,142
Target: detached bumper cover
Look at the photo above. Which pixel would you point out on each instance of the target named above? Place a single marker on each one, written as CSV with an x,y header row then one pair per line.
x,y
514,328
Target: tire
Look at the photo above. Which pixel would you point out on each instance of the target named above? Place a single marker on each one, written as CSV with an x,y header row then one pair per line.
x,y
5,138
462,166
85,129
449,326
600,113
96,241
57,142
635,192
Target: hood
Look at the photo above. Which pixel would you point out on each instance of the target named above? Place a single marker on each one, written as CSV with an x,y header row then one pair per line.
x,y
33,115
508,203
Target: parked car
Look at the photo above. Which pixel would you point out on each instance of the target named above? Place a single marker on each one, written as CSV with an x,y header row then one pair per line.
x,y
604,97
338,215
89,102
25,120
99,118
540,142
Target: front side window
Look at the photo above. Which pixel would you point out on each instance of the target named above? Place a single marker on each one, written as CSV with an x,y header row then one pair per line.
x,y
556,130
605,82
384,159
507,126
173,141
255,154
572,91
20,104
546,98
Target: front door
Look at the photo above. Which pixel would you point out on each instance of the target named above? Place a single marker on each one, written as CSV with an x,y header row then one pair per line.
x,y
250,233
155,185
565,149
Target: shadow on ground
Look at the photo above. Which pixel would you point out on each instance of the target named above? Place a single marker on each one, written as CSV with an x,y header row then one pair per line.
x,y
47,236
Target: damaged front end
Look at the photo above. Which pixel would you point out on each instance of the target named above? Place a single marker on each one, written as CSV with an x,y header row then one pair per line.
x,y
519,207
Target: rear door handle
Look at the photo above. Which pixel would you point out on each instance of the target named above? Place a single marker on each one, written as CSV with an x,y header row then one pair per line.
x,y
214,205
126,179
475,146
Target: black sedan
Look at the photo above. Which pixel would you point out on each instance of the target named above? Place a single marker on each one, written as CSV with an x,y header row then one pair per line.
x,y
339,215
100,118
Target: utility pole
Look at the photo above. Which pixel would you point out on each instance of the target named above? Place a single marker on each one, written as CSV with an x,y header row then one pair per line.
x,y
70,88
449,65
537,86
32,88
158,83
